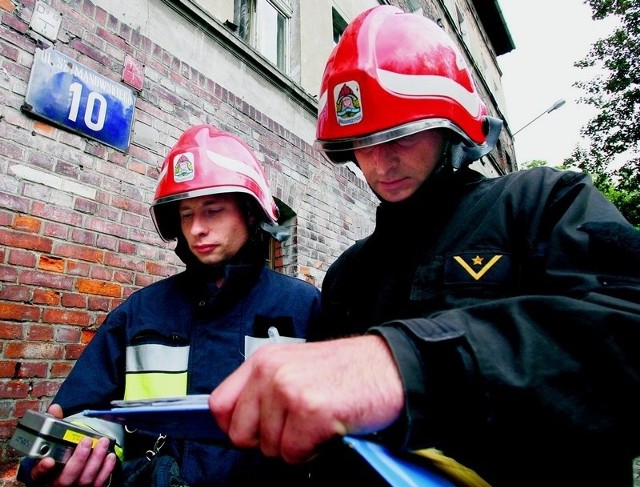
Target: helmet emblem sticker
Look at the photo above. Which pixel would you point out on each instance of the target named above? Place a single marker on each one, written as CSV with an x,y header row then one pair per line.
x,y
183,168
348,107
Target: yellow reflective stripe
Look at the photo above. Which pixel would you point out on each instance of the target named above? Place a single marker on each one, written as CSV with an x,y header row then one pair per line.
x,y
154,357
155,384
155,370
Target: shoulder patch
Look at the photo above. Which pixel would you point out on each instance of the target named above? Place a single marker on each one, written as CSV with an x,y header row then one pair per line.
x,y
469,267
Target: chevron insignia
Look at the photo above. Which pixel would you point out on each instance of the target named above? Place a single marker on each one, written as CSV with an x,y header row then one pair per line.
x,y
477,262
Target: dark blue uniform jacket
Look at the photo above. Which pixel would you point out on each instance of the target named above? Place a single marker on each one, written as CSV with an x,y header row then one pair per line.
x,y
512,308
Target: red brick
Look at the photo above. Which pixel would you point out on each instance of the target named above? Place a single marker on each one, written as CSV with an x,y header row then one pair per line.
x,y
45,129
101,273
61,369
15,293
110,228
73,352
46,296
129,290
45,388
116,260
19,312
99,304
7,148
78,268
58,230
25,405
5,217
87,336
27,223
56,214
89,254
22,258
108,242
53,264
69,335
6,429
83,237
127,248
143,280
33,350
11,331
46,279
14,389
158,269
28,369
100,288
64,316
124,277
74,300
7,5
8,273
8,369
40,333
25,241
100,319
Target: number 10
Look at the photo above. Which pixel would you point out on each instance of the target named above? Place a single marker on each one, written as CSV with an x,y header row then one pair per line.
x,y
93,99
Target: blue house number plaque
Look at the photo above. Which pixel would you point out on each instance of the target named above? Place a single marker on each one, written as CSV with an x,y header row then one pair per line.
x,y
68,94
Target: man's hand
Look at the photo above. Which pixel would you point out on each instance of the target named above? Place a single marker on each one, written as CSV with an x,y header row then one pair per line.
x,y
86,467
289,399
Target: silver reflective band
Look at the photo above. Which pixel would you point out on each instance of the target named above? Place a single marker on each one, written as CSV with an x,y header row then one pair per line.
x,y
201,192
387,135
157,358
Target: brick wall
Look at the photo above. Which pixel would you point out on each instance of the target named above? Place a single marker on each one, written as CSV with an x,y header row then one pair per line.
x,y
75,234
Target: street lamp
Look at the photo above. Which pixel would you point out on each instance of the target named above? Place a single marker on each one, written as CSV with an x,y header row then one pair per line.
x,y
553,107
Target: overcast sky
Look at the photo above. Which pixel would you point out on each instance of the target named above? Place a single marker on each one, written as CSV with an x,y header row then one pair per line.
x,y
549,35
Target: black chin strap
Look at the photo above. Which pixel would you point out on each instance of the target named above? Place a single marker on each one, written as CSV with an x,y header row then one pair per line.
x,y
461,154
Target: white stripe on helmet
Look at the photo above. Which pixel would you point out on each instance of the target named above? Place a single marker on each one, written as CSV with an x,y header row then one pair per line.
x,y
241,168
429,85
322,101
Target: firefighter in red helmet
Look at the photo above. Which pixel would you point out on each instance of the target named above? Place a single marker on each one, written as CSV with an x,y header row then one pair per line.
x,y
208,161
393,75
491,319
184,334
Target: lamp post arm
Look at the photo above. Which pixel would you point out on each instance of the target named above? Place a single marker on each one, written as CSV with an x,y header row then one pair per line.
x,y
553,107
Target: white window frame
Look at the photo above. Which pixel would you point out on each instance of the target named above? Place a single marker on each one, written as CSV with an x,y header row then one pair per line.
x,y
261,31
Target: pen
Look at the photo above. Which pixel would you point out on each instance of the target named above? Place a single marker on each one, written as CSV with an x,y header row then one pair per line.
x,y
274,336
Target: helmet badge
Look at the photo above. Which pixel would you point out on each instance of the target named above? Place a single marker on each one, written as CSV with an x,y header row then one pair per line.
x,y
183,167
348,106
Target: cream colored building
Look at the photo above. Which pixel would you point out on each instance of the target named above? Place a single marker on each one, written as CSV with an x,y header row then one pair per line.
x,y
271,53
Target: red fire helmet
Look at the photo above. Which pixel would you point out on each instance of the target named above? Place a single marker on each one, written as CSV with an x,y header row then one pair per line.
x,y
393,74
204,161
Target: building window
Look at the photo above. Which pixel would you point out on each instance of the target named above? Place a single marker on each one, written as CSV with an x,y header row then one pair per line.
x,y
415,7
339,25
264,24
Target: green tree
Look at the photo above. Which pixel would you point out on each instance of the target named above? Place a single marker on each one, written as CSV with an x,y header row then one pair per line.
x,y
612,156
535,163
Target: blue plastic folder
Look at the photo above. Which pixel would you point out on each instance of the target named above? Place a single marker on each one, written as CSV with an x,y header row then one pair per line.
x,y
400,471
186,417
189,417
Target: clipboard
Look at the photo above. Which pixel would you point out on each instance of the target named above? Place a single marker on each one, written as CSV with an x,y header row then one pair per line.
x,y
189,418
186,417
